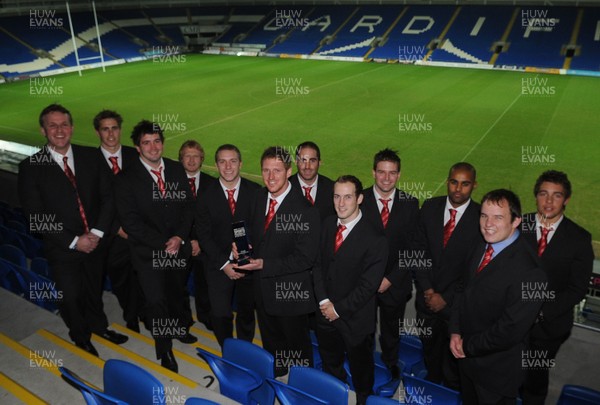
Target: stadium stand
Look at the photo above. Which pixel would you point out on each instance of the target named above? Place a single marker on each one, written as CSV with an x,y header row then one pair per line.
x,y
546,37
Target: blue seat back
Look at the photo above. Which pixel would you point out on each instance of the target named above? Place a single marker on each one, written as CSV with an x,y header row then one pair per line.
x,y
9,278
419,391
200,401
91,395
235,382
257,359
14,255
288,395
578,395
319,383
131,383
39,265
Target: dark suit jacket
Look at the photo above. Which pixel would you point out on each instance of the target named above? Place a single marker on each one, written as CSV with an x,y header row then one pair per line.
x,y
494,315
47,195
443,268
214,219
289,251
129,157
350,278
568,262
399,233
324,199
150,220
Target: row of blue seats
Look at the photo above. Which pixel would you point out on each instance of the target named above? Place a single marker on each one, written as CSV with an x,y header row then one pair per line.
x,y
124,384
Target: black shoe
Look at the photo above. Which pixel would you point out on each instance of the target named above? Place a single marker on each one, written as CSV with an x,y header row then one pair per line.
x,y
167,360
114,337
134,326
188,338
88,347
395,371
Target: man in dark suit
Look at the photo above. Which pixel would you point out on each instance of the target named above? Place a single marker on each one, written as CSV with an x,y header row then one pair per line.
x,y
315,187
64,188
353,261
395,214
155,206
448,229
191,156
123,279
225,202
492,316
565,250
284,232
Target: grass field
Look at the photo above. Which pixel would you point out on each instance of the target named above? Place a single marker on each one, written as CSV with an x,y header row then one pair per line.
x,y
510,125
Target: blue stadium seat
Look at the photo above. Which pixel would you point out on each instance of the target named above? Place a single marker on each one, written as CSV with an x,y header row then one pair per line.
x,y
39,265
14,255
410,356
419,391
9,278
288,395
131,383
36,288
258,360
235,382
319,384
200,401
91,395
578,395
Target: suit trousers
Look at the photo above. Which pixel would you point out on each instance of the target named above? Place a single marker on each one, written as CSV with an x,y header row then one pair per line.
x,y
124,281
334,349
201,299
165,309
535,388
441,364
222,292
287,338
389,327
81,306
473,394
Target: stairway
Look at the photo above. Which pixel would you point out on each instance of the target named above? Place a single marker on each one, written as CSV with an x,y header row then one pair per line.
x,y
34,343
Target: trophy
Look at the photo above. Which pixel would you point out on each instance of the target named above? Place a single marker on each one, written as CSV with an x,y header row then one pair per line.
x,y
242,243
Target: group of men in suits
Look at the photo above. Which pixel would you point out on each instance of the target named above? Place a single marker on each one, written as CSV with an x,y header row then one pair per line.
x,y
320,248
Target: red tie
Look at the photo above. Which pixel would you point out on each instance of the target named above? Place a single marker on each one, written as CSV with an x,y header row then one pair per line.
x,y
192,181
307,195
543,242
449,227
115,165
71,178
270,214
161,183
385,211
487,257
339,238
231,201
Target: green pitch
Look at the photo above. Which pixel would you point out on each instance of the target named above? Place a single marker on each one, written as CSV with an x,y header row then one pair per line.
x,y
511,126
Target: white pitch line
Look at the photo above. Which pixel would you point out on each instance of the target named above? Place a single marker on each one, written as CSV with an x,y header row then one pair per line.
x,y
482,137
230,117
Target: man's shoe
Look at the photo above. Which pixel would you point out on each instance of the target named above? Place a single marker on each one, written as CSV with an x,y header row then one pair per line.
x,y
188,338
88,347
167,360
395,371
114,337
